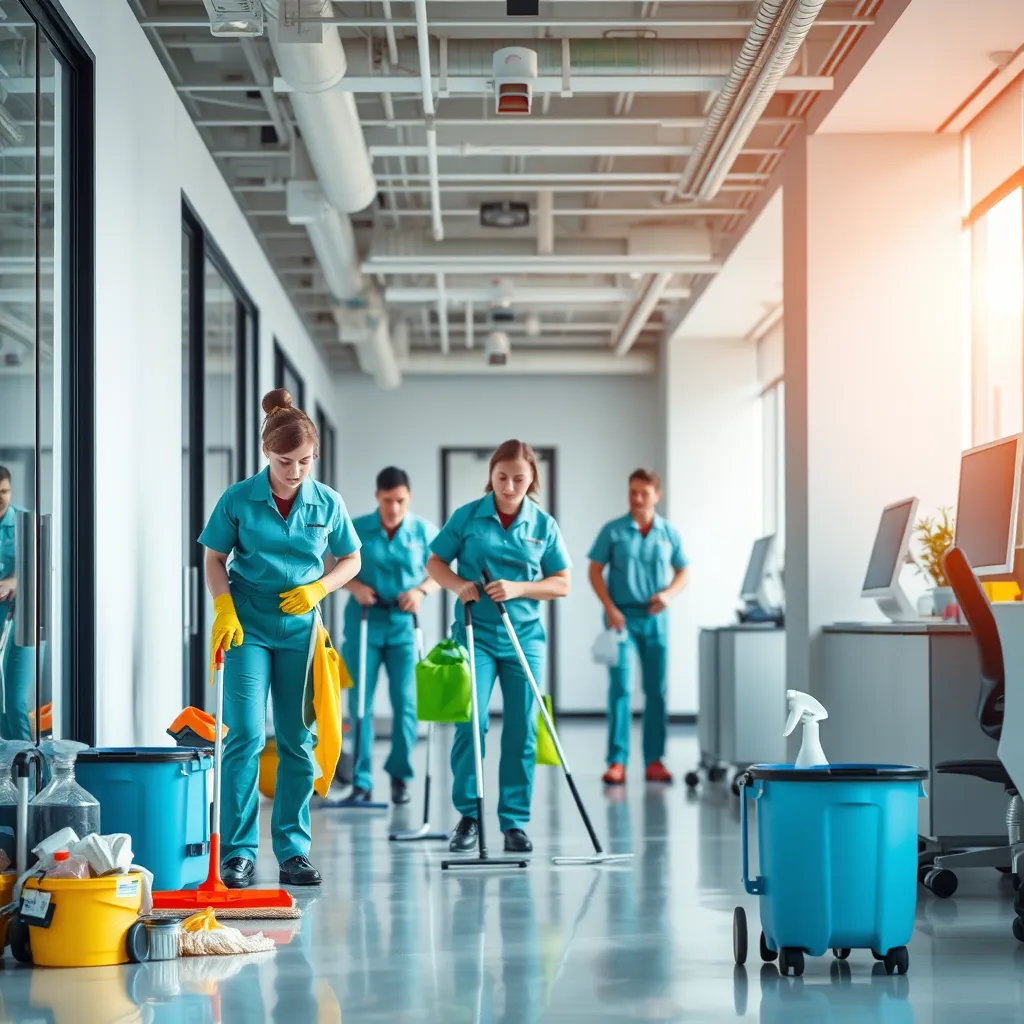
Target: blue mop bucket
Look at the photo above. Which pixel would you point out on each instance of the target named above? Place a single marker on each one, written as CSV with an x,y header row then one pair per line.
x,y
838,855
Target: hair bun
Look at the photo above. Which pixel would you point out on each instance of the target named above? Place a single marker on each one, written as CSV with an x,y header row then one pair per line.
x,y
274,401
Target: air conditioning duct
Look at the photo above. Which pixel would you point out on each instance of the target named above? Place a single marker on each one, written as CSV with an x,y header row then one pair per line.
x,y
515,71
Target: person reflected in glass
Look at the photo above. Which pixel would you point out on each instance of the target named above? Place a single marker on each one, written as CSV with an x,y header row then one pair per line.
x,y
16,663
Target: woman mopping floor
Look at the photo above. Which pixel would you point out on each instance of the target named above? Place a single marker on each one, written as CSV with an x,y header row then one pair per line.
x,y
506,533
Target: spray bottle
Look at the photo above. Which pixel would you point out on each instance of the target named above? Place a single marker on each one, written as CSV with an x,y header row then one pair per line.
x,y
805,710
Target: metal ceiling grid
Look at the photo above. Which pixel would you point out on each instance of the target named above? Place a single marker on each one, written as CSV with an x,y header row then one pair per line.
x,y
653,128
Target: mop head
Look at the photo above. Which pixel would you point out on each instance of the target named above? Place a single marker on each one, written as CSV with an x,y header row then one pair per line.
x,y
234,913
203,935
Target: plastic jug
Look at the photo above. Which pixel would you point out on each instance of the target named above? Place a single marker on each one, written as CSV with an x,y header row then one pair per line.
x,y
63,803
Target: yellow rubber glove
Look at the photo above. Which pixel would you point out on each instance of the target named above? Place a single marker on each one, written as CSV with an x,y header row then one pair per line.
x,y
227,630
302,599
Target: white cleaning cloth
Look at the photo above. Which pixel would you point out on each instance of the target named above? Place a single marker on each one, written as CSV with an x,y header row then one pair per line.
x,y
607,648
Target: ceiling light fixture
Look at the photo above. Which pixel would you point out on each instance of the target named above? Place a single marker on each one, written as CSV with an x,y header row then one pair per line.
x,y
235,17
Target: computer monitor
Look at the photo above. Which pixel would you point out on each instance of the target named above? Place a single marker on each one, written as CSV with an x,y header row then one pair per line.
x,y
761,590
988,510
888,556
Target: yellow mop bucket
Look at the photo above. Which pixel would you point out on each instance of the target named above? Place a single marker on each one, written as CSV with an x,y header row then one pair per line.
x,y
84,922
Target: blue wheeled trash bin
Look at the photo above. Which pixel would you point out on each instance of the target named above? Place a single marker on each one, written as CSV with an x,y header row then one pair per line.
x,y
837,847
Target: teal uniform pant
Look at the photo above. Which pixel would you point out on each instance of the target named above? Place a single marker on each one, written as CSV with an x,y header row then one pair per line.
x,y
19,668
645,635
496,660
399,661
271,660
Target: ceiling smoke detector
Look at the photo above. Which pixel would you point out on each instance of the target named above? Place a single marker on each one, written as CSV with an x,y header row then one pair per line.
x,y
505,214
515,71
235,18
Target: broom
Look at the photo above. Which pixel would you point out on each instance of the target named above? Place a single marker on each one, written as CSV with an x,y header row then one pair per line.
x,y
213,893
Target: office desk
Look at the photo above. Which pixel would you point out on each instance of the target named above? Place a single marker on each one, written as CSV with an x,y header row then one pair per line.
x,y
742,708
1010,622
908,694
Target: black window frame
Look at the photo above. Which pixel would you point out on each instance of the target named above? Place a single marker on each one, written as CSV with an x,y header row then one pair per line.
x,y
203,248
78,350
328,448
282,365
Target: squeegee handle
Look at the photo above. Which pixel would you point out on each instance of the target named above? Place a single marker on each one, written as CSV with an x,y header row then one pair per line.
x,y
487,578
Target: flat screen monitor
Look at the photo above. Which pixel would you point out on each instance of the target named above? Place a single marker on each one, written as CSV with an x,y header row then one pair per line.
x,y
757,568
988,505
892,541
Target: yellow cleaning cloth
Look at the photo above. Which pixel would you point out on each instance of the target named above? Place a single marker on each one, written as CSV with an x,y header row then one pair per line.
x,y
327,682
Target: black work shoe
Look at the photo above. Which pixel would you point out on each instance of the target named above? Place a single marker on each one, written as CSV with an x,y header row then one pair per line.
x,y
237,873
298,871
399,791
360,795
517,841
464,838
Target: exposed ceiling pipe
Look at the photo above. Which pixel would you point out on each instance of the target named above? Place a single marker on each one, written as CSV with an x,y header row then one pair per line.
x,y
649,296
536,363
328,117
780,28
427,82
333,141
442,314
496,263
571,295
546,222
470,324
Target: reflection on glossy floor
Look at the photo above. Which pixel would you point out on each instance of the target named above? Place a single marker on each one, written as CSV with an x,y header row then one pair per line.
x,y
391,937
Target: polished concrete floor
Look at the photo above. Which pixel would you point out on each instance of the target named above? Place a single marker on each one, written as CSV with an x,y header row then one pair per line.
x,y
393,938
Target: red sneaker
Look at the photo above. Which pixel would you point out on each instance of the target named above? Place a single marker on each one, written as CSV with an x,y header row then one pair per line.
x,y
615,776
657,772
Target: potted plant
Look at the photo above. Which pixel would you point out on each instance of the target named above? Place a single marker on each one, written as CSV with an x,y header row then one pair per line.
x,y
935,537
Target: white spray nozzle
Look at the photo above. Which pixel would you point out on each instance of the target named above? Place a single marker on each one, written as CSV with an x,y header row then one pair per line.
x,y
802,708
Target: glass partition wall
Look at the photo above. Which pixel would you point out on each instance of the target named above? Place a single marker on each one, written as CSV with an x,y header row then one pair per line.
x,y
46,397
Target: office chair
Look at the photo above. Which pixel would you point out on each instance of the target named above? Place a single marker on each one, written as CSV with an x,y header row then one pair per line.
x,y
938,876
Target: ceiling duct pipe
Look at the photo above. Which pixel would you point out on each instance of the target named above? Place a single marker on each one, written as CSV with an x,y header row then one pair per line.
x,y
779,30
588,58
327,118
426,81
649,297
335,148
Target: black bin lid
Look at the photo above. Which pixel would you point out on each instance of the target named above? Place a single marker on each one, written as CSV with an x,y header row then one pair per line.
x,y
142,755
838,773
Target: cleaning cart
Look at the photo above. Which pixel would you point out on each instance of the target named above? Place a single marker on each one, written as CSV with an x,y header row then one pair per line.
x,y
837,846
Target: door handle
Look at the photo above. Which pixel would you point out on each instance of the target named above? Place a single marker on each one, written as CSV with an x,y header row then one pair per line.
x,y
25,574
193,594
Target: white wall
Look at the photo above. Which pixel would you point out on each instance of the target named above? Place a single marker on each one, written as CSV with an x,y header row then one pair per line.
x,y
603,428
875,300
712,486
147,153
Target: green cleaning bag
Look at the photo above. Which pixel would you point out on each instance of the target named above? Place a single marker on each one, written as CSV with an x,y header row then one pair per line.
x,y
443,684
547,752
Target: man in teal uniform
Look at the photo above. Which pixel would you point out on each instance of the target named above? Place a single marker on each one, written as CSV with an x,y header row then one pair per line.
x,y
18,662
392,583
646,569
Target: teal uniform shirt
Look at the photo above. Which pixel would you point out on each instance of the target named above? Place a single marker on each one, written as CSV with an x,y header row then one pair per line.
x,y
530,549
269,555
638,568
18,664
390,567
7,547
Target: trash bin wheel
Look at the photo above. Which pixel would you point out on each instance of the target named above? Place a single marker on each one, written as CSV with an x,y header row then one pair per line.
x,y
692,780
897,960
716,774
1018,929
841,954
769,956
18,939
739,936
791,960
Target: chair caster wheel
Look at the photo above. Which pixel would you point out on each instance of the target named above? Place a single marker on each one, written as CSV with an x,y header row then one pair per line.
x,y
692,780
941,882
